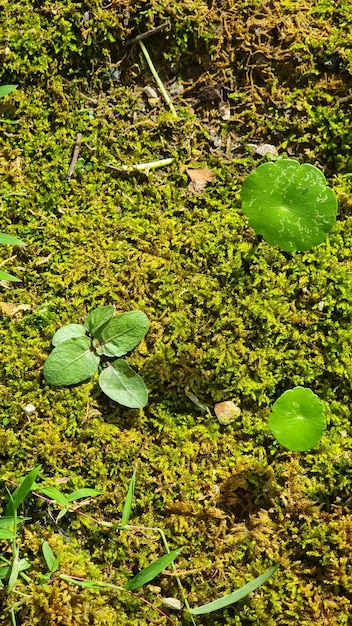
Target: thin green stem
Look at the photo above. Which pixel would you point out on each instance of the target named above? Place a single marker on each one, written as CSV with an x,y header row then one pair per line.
x,y
157,79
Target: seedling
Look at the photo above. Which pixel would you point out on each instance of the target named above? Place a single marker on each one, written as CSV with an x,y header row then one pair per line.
x,y
289,204
10,241
297,419
78,351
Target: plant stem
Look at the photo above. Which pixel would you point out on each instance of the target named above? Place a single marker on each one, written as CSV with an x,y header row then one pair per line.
x,y
142,166
157,79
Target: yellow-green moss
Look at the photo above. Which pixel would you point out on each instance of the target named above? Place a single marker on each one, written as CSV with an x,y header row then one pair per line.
x,y
231,317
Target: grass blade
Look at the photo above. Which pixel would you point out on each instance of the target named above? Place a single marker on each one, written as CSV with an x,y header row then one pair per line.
x,y
126,513
151,571
235,596
22,491
83,493
15,571
6,89
51,561
54,494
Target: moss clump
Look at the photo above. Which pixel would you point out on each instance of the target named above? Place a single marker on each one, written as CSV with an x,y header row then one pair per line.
x,y
231,317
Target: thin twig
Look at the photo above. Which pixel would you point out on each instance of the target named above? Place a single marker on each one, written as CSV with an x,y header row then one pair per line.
x,y
147,34
74,160
141,167
157,79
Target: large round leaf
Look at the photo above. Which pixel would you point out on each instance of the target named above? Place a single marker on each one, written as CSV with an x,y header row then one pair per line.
x,y
122,384
289,204
71,362
297,419
121,334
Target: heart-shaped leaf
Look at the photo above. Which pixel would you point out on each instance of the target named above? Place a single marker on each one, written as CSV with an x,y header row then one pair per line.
x,y
98,318
289,204
68,332
297,419
71,362
120,383
122,333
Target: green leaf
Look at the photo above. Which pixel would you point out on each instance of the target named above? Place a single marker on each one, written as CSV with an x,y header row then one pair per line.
x,y
88,584
126,513
7,522
62,513
98,318
235,596
120,383
22,491
6,534
83,493
6,276
15,570
152,570
5,121
122,333
70,331
6,89
51,561
71,362
5,572
297,419
10,241
289,204
54,494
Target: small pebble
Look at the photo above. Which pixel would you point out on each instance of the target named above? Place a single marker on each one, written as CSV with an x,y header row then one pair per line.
x,y
172,603
29,409
265,148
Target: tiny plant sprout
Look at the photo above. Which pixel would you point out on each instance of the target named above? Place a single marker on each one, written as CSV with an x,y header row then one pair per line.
x,y
297,419
79,350
289,204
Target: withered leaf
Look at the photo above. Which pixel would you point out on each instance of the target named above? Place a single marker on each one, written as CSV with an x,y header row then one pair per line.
x,y
199,179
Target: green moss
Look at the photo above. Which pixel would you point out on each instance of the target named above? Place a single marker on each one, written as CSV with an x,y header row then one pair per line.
x,y
231,317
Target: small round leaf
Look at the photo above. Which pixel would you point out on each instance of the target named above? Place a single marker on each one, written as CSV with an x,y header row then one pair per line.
x,y
289,204
297,419
71,362
120,383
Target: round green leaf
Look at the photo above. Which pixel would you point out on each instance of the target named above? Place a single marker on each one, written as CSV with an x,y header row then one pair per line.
x,y
97,318
120,383
122,333
68,332
71,362
297,419
289,204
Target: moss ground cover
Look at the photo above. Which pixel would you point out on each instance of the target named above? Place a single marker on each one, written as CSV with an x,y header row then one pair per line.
x,y
231,316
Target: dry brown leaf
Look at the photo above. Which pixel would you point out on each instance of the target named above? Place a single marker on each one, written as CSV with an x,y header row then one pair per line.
x,y
10,309
227,411
199,179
